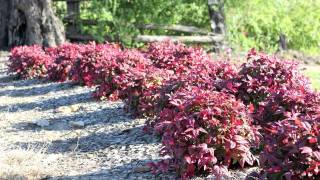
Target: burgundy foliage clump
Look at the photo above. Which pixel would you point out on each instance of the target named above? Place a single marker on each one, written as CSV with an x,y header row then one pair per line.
x,y
64,57
93,67
175,56
174,65
209,75
283,104
265,75
123,75
206,131
292,148
146,101
212,75
29,62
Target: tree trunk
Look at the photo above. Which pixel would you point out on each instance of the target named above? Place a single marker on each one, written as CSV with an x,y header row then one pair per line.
x,y
217,20
4,16
28,22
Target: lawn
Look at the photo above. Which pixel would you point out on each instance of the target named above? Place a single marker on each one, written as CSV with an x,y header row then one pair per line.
x,y
313,72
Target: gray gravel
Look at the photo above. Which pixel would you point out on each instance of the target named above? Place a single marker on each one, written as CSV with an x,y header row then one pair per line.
x,y
91,139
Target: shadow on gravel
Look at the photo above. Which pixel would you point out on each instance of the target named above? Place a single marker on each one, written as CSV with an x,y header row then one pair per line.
x,y
50,103
6,79
139,170
15,81
107,115
95,141
35,91
136,169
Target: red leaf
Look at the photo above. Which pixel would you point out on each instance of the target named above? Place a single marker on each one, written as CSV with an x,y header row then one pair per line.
x,y
317,155
187,158
306,150
312,140
251,108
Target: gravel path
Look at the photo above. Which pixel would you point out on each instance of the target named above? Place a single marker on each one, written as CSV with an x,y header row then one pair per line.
x,y
69,135
85,138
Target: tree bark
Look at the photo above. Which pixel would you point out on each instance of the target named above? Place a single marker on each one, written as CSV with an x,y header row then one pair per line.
x,y
28,22
4,16
217,18
217,21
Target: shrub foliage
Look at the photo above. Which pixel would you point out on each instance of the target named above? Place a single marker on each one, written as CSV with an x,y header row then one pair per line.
x,y
29,61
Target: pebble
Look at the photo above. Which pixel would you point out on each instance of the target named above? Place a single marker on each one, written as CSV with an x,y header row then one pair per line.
x,y
67,109
76,124
42,123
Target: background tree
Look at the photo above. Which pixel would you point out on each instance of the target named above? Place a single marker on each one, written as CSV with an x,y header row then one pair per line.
x,y
27,22
217,17
217,20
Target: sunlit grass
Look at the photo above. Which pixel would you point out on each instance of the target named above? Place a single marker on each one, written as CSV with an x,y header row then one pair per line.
x,y
314,74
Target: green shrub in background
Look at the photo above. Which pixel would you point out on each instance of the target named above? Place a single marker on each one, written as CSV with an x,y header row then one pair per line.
x,y
250,23
258,23
119,19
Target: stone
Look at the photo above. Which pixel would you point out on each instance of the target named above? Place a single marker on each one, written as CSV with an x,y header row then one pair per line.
x,y
74,108
77,124
42,123
63,109
10,87
67,109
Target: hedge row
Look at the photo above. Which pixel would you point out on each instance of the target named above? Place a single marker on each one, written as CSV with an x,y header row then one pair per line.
x,y
212,115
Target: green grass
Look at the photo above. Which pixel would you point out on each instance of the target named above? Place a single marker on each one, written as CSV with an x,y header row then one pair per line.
x,y
314,74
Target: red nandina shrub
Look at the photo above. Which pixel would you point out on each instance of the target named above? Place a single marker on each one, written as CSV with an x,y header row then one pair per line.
x,y
282,104
264,75
124,75
93,67
29,61
145,97
64,57
292,148
177,64
209,75
175,56
206,131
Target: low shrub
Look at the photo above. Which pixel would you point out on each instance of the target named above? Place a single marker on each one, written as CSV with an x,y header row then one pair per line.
x,y
265,75
144,99
175,56
283,104
209,75
172,64
93,67
206,131
292,148
64,57
123,75
29,62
